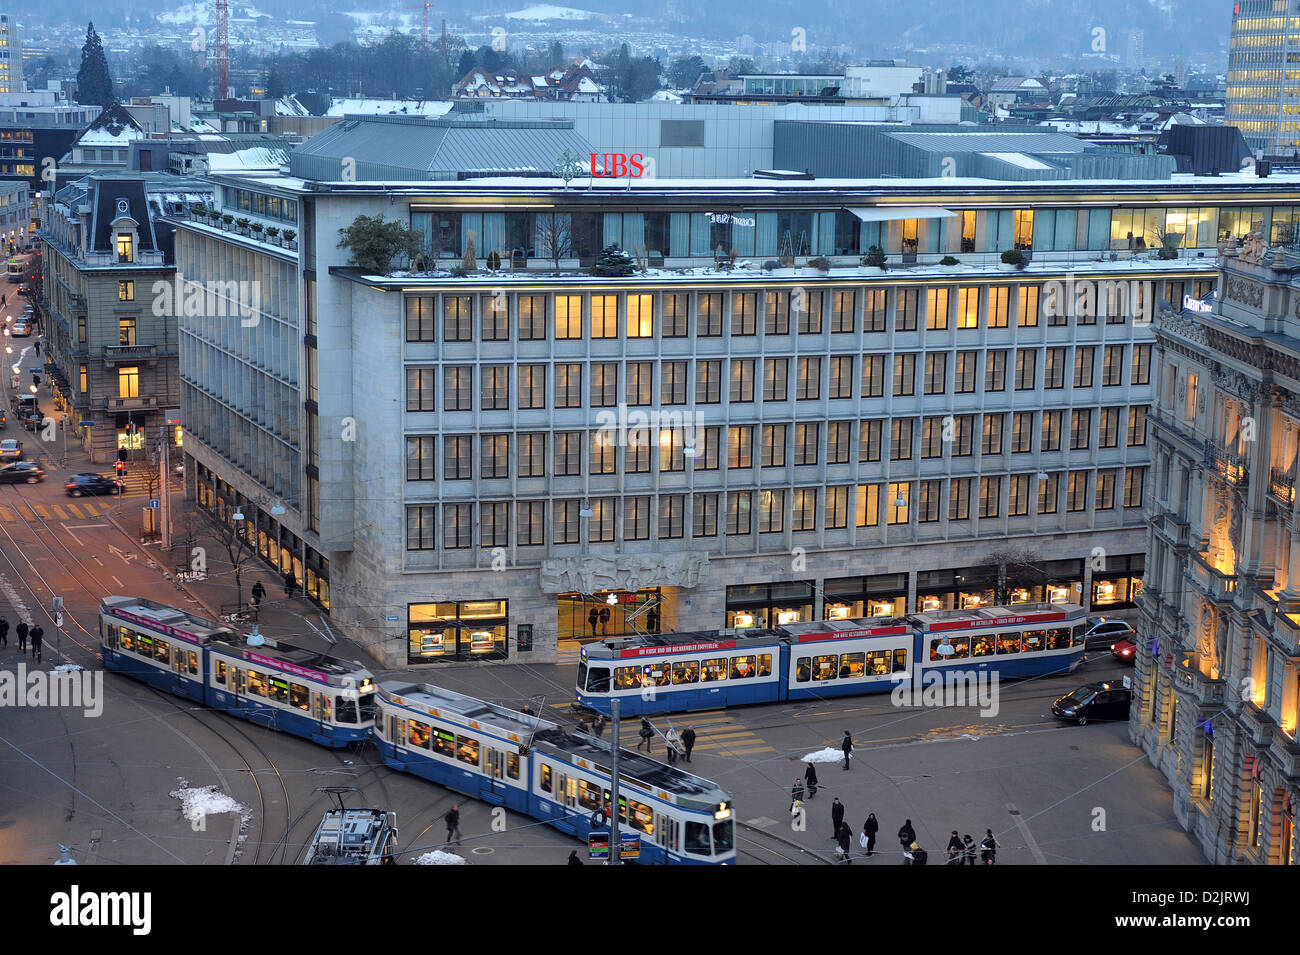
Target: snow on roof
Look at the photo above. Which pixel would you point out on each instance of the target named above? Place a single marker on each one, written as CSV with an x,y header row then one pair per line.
x,y
546,11
255,157
1018,159
384,107
102,137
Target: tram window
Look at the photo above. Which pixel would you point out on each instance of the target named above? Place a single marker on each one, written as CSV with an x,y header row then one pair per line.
x,y
598,680
627,678
257,686
686,671
345,707
742,668
110,633
660,675
589,796
299,696
128,639
1079,634
1058,638
713,670
367,707
900,661
878,662
960,648
544,781
643,818
853,666
143,645
221,672
192,661
934,650
1033,640
723,836
467,750
1008,643
582,675
764,664
279,690
418,734
444,743
697,839
803,669
982,646
824,667
322,707
512,765
162,650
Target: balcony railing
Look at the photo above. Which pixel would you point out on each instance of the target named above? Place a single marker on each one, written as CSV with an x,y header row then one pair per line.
x,y
130,404
1227,464
1281,485
1206,691
121,352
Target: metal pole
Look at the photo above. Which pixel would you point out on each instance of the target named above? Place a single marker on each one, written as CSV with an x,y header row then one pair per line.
x,y
164,462
615,841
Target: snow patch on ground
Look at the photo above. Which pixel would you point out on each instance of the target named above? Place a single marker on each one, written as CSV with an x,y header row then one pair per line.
x,y
439,858
204,801
827,755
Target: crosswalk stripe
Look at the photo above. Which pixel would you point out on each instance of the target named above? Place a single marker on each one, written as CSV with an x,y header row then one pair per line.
x,y
746,752
7,515
40,509
59,512
730,735
74,509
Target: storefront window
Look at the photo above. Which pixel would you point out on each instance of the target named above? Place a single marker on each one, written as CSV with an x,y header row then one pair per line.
x,y
1119,584
769,605
584,619
468,630
848,598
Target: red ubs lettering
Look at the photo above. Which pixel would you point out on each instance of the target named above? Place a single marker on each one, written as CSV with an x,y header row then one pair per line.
x,y
618,164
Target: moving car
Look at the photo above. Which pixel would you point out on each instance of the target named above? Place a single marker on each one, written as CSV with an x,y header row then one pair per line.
x,y
1103,631
21,472
1125,651
21,329
1094,701
87,483
11,449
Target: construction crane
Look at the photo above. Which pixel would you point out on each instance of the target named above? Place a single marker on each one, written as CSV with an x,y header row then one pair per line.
x,y
222,49
426,7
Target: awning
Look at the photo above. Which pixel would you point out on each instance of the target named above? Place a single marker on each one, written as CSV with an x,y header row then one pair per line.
x,y
892,213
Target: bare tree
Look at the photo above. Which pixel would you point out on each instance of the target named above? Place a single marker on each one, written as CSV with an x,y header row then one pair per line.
x,y
555,237
1007,570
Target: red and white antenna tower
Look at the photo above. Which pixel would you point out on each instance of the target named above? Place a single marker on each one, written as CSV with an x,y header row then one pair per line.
x,y
426,7
223,49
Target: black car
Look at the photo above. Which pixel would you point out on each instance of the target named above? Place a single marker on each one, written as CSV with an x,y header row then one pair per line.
x,y
21,472
80,484
1095,701
33,420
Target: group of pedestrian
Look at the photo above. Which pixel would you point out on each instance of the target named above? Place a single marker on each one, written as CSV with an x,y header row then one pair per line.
x,y
961,851
26,635
679,743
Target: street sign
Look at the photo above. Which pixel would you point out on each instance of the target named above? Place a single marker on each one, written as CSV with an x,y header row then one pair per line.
x,y
631,845
598,845
58,619
155,504
85,424
392,617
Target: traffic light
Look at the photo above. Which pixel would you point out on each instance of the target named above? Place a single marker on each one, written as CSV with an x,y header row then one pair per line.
x,y
120,467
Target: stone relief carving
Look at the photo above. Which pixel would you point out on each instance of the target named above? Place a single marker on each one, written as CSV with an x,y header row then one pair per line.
x,y
1220,648
1253,249
1239,385
1245,291
1185,328
586,575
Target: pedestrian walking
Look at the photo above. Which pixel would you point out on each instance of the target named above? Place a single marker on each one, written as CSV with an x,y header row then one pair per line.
x,y
810,777
837,816
796,793
847,747
954,849
674,743
906,834
4,632
604,621
647,734
573,858
38,347
290,583
967,850
259,594
919,855
598,725
843,837
593,618
21,630
688,741
989,848
452,818
36,635
869,830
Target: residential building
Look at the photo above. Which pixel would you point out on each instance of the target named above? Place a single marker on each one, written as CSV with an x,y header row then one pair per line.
x,y
112,351
15,210
104,145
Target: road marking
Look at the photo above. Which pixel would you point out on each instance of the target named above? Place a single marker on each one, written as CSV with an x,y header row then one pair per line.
x,y
7,515
1024,832
40,509
74,509
120,554
119,583
82,526
59,512
79,541
745,752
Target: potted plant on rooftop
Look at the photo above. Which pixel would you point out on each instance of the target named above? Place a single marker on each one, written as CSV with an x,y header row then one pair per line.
x,y
874,261
273,234
289,236
1012,259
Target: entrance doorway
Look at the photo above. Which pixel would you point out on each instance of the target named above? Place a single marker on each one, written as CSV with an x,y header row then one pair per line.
x,y
584,618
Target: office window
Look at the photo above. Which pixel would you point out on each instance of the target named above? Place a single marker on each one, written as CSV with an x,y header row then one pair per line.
x,y
675,315
420,388
531,320
809,382
744,308
900,439
636,456
841,377
708,382
1076,496
1113,365
1022,223
933,431
532,454
742,380
968,306
844,306
458,388
995,370
963,434
900,497
873,310
457,457
1051,431
568,385
1054,368
638,386
1106,489
869,440
126,291
810,315
1018,495
740,446
604,316
873,376
1084,359
495,390
603,451
532,386
672,516
904,375
126,331
1141,364
604,384
738,517
772,452
936,373
419,459
566,521
1108,428
1080,429
708,314
494,461
837,507
1048,493
568,316
636,518
963,377
704,517
457,318
494,524
999,306
1137,426
421,527
568,453
905,300
927,509
990,496
1027,308
495,312
708,455
531,523
640,316
1133,484
774,378
776,312
600,526
991,442
1022,432
1026,368
672,385
936,309
839,438
867,507
959,499
771,512
672,455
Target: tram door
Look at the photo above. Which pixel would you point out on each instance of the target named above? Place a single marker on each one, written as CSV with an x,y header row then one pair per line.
x,y
495,790
320,708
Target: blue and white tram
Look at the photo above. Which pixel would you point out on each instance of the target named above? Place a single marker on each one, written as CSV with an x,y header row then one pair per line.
x,y
534,767
1023,640
318,697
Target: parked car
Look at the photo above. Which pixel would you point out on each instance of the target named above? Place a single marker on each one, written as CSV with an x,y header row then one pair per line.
x,y
80,484
11,449
1103,631
1094,701
21,472
1125,651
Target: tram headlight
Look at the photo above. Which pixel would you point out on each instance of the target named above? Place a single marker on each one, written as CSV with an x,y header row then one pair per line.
x,y
722,812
